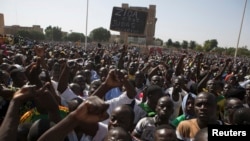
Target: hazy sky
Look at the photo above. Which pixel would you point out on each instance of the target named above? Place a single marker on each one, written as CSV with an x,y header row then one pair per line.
x,y
197,20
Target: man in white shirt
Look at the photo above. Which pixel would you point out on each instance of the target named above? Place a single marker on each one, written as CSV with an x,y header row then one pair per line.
x,y
176,93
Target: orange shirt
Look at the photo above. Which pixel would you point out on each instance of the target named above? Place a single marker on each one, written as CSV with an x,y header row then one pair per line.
x,y
187,129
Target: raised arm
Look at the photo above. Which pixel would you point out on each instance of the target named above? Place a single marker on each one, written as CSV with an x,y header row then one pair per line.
x,y
64,78
179,67
8,129
121,59
92,110
218,76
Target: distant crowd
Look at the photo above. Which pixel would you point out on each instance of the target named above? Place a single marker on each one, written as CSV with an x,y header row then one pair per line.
x,y
61,91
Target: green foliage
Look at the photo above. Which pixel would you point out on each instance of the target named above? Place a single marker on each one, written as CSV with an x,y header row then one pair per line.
x,y
33,35
169,43
210,44
24,33
184,44
48,33
100,34
177,44
159,40
76,37
192,44
198,48
53,33
219,50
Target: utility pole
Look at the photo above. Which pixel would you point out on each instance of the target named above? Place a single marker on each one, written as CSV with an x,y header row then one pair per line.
x,y
86,34
236,50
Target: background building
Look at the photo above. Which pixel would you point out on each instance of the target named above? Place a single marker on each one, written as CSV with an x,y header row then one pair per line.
x,y
15,28
148,37
1,24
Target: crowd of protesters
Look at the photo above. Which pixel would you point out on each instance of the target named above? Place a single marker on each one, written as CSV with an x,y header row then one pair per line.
x,y
59,91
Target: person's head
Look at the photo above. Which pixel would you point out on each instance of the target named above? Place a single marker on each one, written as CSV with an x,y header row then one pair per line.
x,y
80,80
188,105
177,84
236,92
103,73
87,75
19,59
4,66
231,105
211,86
140,79
201,135
193,88
247,95
74,103
89,65
233,80
18,77
94,85
122,116
165,132
79,72
76,88
226,88
153,94
4,77
241,116
38,128
187,72
118,134
132,68
205,107
164,108
157,80
247,89
152,62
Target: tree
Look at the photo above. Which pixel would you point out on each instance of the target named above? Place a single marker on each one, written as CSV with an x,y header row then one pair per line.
x,y
210,44
184,44
169,43
177,44
198,48
76,37
24,33
192,44
230,51
48,33
100,34
219,50
53,33
35,35
160,41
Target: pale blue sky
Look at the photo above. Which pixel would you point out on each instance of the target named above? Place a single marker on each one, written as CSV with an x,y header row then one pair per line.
x,y
197,20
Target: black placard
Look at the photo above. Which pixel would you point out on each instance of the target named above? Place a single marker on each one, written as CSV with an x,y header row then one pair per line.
x,y
128,20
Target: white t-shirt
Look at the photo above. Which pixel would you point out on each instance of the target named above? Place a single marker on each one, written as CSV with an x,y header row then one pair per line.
x,y
99,136
115,102
67,95
177,104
